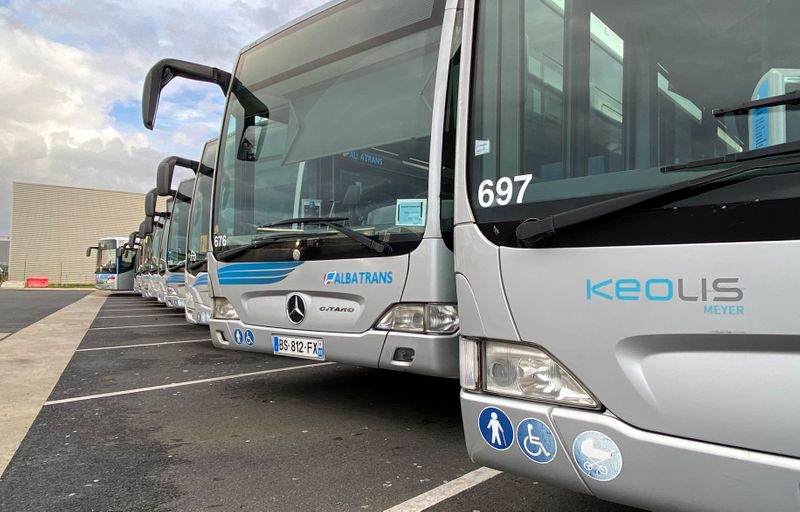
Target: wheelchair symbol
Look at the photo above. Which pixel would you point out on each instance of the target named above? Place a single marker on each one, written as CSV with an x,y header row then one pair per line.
x,y
536,440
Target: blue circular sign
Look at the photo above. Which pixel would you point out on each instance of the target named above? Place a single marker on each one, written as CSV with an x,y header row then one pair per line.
x,y
597,456
238,337
536,440
496,428
249,337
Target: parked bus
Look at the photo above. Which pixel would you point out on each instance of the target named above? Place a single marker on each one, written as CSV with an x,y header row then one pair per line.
x,y
626,248
114,271
142,268
332,216
198,303
175,253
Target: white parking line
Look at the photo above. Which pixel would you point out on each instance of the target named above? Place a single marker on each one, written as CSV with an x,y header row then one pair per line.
x,y
142,345
170,313
179,384
136,326
445,491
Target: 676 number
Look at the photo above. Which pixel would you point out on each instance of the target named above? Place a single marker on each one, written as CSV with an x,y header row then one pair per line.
x,y
502,193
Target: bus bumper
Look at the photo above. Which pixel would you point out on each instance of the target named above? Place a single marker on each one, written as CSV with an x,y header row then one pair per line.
x,y
432,355
174,297
196,312
657,471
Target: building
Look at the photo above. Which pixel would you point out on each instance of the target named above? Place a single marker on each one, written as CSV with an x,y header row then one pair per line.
x,y
4,241
52,226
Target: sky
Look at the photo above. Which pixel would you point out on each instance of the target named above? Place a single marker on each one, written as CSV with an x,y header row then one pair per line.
x,y
71,85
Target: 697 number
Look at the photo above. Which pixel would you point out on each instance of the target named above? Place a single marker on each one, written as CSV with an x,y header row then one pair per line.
x,y
502,192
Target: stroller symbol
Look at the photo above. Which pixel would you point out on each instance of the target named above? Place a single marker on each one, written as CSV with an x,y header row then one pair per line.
x,y
535,441
595,456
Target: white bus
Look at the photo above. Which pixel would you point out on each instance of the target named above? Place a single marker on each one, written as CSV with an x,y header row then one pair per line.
x,y
627,248
115,269
332,212
198,301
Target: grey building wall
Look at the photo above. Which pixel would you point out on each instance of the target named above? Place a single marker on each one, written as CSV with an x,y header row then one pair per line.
x,y
52,226
4,251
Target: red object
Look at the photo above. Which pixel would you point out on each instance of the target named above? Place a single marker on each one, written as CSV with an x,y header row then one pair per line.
x,y
37,282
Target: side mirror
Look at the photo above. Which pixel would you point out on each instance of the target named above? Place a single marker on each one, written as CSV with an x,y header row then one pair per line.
x,y
164,71
89,250
146,226
132,238
150,203
166,169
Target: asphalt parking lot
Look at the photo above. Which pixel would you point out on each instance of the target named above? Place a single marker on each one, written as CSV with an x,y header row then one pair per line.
x,y
20,308
148,415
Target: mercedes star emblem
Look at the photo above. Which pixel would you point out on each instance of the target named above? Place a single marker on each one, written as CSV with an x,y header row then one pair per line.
x,y
296,309
296,254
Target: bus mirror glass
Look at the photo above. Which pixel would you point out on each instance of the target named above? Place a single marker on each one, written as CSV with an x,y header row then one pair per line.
x,y
150,203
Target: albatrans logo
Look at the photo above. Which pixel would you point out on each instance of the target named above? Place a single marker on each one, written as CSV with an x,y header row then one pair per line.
x,y
336,277
723,290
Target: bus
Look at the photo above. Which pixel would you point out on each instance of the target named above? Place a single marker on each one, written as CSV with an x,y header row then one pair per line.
x,y
332,213
198,302
175,254
626,247
146,238
114,270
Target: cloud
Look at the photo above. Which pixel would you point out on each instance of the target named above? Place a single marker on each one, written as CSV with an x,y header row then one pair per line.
x,y
72,84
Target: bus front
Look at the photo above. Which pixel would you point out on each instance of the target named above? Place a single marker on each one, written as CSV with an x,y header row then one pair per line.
x,y
627,246
198,302
174,289
105,274
332,213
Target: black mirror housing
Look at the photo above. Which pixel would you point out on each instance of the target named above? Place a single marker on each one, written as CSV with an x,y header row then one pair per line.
x,y
89,250
166,170
165,70
150,203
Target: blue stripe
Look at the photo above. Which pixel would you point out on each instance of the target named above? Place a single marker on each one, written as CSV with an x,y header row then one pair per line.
x,y
262,266
202,280
260,273
266,272
175,279
259,280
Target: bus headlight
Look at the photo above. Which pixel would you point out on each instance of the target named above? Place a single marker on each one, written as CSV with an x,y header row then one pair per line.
x,y
469,364
172,292
529,372
420,318
223,309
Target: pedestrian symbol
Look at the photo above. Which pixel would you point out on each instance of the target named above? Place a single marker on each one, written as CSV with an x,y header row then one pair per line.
x,y
496,428
238,337
536,440
249,337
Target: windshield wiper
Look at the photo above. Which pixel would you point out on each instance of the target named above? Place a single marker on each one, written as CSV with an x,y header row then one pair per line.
x,y
179,266
333,222
532,231
732,158
196,264
791,98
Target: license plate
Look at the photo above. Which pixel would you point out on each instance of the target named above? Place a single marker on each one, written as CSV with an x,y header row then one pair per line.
x,y
308,348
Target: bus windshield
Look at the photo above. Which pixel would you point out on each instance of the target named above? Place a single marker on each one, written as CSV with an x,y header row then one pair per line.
x,y
335,130
155,248
107,257
583,101
179,221
201,207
